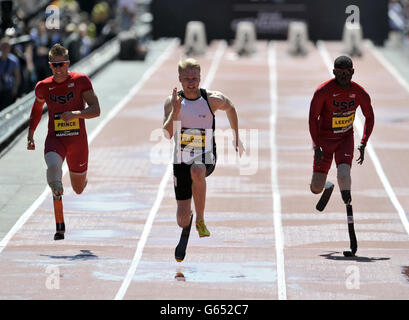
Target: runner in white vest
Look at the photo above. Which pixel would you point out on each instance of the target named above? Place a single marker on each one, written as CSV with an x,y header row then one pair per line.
x,y
189,119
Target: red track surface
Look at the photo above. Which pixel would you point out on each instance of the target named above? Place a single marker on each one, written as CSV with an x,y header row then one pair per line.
x,y
238,261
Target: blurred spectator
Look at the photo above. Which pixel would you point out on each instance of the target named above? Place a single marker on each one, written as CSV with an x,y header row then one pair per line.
x,y
100,15
73,42
85,25
18,48
9,74
42,42
127,10
85,40
396,16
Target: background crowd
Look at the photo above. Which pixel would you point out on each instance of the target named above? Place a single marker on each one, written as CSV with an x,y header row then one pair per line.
x,y
83,26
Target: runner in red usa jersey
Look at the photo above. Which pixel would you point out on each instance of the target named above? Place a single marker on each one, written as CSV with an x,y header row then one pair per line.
x,y
331,118
332,113
66,95
63,97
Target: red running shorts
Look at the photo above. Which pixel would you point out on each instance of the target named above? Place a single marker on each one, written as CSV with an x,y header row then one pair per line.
x,y
74,149
340,149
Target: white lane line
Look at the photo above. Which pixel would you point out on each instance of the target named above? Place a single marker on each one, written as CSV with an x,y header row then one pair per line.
x,y
161,191
278,228
387,65
27,214
369,148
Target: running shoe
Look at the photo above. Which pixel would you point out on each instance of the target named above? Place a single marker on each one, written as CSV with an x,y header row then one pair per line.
x,y
202,229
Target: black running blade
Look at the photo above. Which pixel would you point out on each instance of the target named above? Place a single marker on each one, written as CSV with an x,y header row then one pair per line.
x,y
180,250
59,236
348,254
324,198
351,230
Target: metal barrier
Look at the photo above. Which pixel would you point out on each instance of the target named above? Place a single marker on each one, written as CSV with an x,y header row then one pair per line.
x,y
15,117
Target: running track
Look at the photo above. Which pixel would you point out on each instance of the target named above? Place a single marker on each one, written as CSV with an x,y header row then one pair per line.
x,y
267,241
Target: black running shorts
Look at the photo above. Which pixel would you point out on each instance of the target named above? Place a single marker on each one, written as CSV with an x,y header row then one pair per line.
x,y
182,180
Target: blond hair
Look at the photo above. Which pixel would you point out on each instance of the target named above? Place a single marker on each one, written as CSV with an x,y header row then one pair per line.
x,y
57,51
188,63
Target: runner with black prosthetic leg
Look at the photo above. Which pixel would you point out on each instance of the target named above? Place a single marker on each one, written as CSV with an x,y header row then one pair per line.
x,y
189,120
180,250
331,118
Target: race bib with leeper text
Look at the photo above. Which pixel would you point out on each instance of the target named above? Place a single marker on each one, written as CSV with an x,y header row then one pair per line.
x,y
342,121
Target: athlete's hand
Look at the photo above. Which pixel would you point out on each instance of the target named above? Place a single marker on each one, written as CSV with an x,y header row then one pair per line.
x,y
318,156
30,143
176,100
361,158
238,145
68,116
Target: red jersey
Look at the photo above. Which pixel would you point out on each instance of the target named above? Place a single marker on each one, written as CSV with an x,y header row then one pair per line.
x,y
62,97
332,111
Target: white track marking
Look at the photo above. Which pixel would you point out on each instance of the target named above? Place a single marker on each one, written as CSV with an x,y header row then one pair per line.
x,y
278,228
360,127
27,214
161,192
387,65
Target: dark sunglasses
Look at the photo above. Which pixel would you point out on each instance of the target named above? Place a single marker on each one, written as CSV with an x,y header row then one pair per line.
x,y
58,64
350,70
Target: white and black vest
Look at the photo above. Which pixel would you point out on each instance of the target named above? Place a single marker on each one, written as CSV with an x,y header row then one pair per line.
x,y
194,135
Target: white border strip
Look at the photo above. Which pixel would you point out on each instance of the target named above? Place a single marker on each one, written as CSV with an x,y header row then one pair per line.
x,y
387,65
27,214
278,228
161,192
360,127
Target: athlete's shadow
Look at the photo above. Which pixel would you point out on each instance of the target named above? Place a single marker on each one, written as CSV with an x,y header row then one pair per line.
x,y
83,256
339,256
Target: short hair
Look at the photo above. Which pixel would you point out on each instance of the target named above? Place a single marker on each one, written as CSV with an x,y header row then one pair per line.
x,y
188,63
5,42
58,50
343,62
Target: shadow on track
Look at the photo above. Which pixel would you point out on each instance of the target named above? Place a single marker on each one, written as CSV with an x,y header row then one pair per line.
x,y
84,255
334,256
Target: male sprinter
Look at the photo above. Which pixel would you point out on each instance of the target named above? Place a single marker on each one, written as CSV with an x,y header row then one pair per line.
x,y
189,118
65,94
332,113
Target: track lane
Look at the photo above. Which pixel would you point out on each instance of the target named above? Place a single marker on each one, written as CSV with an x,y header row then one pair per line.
x,y
237,260
104,224
315,266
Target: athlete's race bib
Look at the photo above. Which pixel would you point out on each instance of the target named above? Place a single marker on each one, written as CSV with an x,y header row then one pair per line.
x,y
66,128
192,143
195,145
342,121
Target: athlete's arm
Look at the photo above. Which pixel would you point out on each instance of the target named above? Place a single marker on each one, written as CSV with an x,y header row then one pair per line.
x,y
92,111
218,101
172,109
316,106
367,111
35,117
